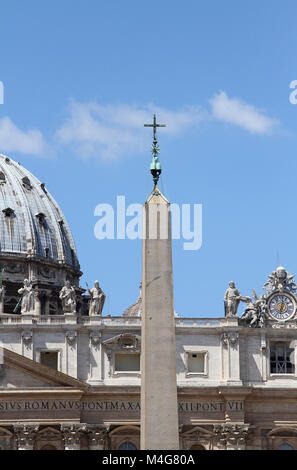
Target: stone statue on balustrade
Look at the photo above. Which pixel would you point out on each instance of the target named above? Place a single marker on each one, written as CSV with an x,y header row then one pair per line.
x,y
68,298
27,301
255,313
97,299
232,298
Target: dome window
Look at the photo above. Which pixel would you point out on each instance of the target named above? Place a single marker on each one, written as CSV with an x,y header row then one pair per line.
x,y
2,177
8,212
41,217
27,183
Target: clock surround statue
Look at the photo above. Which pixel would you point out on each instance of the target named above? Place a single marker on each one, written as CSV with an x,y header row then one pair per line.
x,y
277,304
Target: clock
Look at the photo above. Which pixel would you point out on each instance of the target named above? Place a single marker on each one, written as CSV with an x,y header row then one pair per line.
x,y
281,306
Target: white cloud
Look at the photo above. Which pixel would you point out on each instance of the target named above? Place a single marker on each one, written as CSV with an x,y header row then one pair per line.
x,y
235,111
113,131
12,139
110,131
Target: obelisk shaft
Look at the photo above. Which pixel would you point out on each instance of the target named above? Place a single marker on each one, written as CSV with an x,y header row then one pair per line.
x,y
159,415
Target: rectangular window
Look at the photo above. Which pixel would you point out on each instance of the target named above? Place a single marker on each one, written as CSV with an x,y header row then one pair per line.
x,y
49,359
127,363
282,358
197,363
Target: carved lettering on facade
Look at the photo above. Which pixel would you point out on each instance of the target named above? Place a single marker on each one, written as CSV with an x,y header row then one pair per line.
x,y
115,405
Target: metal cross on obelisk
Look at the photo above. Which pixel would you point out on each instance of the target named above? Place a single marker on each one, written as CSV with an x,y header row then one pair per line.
x,y
155,164
155,125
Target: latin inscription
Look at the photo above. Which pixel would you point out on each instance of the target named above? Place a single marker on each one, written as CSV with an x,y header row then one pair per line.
x,y
116,406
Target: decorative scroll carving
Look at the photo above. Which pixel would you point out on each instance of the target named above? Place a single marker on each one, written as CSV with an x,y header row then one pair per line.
x,y
97,436
15,268
46,272
25,435
27,337
71,336
95,337
230,338
232,435
280,280
72,434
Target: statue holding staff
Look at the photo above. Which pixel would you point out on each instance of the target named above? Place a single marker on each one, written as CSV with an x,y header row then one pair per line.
x,y
97,299
232,298
27,300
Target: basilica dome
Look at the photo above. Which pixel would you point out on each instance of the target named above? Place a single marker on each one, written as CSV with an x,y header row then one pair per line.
x,y
36,243
32,222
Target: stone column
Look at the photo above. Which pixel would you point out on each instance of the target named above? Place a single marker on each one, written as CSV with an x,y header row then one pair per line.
x,y
71,435
97,437
159,416
25,436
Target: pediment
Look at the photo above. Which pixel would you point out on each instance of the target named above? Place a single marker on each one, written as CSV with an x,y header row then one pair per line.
x,y
197,432
19,372
125,341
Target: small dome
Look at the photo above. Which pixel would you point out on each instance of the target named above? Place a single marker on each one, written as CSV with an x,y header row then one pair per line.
x,y
281,268
135,310
31,220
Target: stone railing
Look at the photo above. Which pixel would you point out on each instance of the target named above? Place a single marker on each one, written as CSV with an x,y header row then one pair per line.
x,y
201,322
113,321
110,321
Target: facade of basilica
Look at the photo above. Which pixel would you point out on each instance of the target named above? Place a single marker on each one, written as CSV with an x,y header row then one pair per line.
x,y
70,378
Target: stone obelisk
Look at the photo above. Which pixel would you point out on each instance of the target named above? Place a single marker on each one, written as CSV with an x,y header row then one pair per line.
x,y
159,415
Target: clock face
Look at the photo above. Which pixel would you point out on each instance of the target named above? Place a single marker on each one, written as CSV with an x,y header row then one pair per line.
x,y
281,306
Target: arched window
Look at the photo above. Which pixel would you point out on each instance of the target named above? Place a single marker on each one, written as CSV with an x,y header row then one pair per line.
x,y
197,447
8,212
127,446
2,177
284,447
41,217
27,183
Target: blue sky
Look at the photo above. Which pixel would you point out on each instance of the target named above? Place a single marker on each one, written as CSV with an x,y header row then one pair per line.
x,y
81,78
